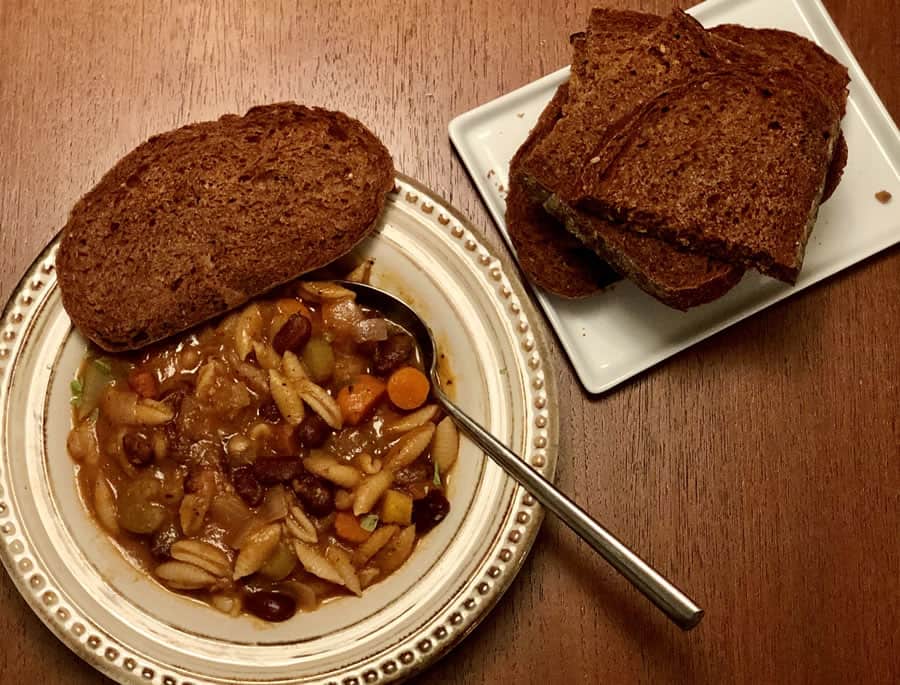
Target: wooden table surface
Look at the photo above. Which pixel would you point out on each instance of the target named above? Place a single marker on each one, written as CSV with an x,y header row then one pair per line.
x,y
760,470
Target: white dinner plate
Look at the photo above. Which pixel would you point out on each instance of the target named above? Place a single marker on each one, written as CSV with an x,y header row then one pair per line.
x,y
621,331
135,631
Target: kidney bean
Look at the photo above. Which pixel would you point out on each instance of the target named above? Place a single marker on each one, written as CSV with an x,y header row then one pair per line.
x,y
417,471
314,493
430,511
272,470
367,348
269,412
144,383
293,335
137,448
270,605
391,353
246,485
312,431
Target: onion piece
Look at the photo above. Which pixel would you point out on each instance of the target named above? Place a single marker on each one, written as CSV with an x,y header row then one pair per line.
x,y
341,316
274,506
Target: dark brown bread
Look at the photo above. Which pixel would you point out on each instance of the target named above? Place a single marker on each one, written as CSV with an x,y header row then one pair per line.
x,y
657,267
198,220
787,50
732,164
613,78
553,258
618,66
679,279
784,49
836,169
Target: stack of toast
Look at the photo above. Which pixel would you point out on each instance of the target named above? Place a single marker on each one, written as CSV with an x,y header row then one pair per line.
x,y
678,157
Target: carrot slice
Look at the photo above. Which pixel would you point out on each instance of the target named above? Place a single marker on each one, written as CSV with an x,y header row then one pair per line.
x,y
359,398
408,388
346,527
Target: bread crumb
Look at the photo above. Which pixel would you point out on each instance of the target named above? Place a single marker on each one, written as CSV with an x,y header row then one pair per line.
x,y
520,114
490,173
594,160
883,196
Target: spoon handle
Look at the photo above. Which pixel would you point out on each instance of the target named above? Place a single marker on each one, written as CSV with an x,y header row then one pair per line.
x,y
669,599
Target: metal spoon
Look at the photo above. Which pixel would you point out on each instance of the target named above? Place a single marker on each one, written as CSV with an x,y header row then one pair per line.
x,y
673,603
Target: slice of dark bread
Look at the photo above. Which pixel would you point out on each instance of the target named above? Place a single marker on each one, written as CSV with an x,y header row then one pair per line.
x,y
553,258
663,270
601,57
624,59
784,49
678,279
732,164
199,220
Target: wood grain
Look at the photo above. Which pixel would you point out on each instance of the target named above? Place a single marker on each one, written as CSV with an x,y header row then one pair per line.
x,y
760,469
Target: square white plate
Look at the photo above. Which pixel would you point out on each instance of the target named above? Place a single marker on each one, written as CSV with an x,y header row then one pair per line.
x,y
617,333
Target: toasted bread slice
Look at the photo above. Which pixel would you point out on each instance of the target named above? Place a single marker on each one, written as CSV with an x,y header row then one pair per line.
x,y
732,164
679,279
199,220
611,81
616,67
784,49
656,266
553,258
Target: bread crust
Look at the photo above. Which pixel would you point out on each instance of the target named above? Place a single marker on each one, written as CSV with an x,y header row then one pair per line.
x,y
553,258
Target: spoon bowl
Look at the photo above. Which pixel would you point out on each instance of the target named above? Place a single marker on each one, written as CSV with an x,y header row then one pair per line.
x,y
669,599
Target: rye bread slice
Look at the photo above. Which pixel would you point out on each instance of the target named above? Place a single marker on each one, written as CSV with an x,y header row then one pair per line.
x,y
553,258
662,270
678,279
732,164
201,219
618,65
784,49
612,79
